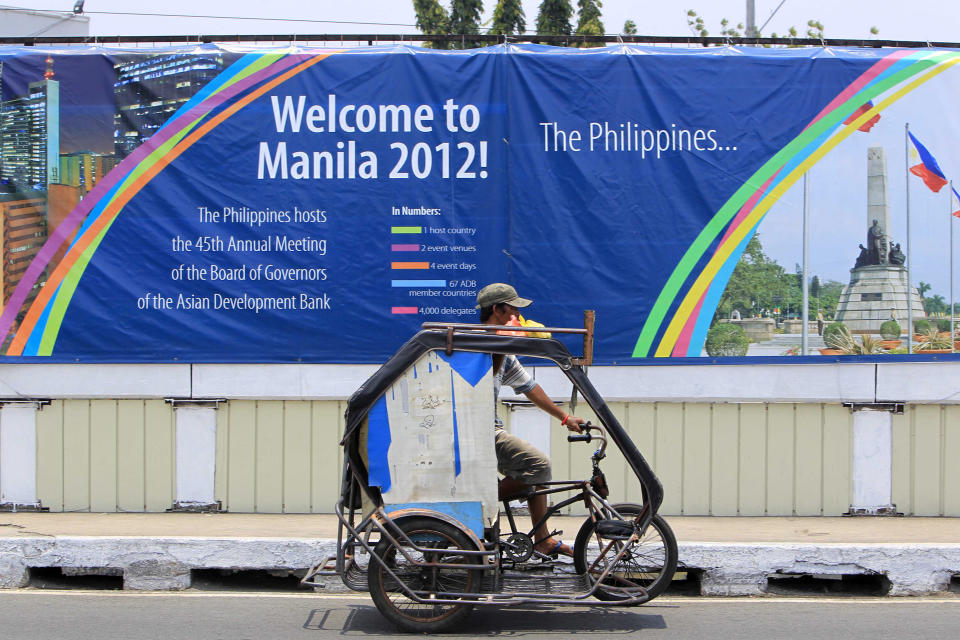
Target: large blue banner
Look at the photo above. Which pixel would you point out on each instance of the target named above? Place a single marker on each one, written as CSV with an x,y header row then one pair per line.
x,y
214,204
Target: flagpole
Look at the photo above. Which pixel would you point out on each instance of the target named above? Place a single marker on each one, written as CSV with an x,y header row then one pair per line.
x,y
906,162
950,221
805,315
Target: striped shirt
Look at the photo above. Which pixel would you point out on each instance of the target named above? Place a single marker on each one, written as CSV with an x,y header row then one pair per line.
x,y
513,375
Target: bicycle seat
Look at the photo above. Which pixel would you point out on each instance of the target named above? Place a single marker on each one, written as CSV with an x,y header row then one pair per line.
x,y
615,529
517,495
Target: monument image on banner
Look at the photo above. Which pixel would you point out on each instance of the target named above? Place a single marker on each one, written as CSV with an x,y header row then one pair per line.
x,y
764,296
878,288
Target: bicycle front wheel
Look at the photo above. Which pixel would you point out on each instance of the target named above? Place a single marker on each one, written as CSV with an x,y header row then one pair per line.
x,y
648,563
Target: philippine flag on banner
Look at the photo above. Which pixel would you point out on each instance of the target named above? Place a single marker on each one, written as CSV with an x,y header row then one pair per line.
x,y
955,201
866,126
928,169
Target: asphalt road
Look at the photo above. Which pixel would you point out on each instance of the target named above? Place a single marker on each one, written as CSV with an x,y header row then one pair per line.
x,y
73,615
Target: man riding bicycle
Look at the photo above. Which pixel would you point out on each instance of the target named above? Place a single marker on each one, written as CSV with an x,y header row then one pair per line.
x,y
524,466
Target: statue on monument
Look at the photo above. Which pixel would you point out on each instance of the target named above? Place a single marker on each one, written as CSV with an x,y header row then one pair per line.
x,y
863,259
897,256
879,250
877,244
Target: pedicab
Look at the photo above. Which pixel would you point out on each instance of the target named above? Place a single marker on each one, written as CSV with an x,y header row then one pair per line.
x,y
419,514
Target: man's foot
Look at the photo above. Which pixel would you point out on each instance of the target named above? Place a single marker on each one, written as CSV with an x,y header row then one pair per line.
x,y
553,547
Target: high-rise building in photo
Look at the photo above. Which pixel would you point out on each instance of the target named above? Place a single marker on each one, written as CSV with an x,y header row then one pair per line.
x,y
61,200
84,169
149,90
30,146
30,136
23,230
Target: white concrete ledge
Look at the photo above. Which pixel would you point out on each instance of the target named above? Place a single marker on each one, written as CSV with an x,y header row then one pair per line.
x,y
831,382
729,569
94,380
279,381
920,382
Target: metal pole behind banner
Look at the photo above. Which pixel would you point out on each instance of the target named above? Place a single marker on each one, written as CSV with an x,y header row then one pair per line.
x,y
906,163
751,30
950,222
805,314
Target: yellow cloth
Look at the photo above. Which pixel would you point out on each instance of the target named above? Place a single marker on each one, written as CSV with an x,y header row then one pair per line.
x,y
522,322
533,323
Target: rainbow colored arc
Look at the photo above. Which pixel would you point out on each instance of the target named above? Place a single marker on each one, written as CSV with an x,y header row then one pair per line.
x,y
896,75
242,83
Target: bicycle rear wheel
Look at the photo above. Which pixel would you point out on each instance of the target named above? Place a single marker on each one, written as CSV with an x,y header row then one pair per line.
x,y
648,563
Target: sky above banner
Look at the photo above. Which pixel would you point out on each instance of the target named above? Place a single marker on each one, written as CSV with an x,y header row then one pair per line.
x,y
933,20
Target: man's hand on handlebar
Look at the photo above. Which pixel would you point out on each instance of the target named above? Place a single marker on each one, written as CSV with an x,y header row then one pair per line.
x,y
573,423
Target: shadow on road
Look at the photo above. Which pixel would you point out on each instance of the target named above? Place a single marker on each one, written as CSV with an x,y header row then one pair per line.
x,y
508,621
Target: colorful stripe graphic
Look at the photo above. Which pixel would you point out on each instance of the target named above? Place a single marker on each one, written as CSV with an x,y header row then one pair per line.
x,y
404,247
248,79
418,283
404,310
406,229
409,265
897,74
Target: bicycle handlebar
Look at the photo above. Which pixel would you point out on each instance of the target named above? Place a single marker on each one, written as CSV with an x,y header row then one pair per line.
x,y
588,437
585,437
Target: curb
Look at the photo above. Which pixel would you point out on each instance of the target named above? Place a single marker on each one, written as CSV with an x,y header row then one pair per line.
x,y
723,569
735,569
151,563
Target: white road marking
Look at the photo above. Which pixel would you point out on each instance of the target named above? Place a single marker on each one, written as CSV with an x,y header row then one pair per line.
x,y
662,601
177,594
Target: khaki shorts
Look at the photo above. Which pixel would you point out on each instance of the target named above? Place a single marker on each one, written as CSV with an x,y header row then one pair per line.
x,y
520,460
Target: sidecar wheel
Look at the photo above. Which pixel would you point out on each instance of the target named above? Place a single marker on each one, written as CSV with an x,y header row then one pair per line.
x,y
390,595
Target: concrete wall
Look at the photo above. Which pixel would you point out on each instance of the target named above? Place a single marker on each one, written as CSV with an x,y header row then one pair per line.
x,y
105,455
725,440
926,451
278,456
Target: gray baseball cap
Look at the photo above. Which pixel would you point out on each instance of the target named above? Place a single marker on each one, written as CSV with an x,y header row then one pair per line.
x,y
499,293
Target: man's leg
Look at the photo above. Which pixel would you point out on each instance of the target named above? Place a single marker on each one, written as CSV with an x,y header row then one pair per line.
x,y
537,504
510,487
524,466
546,544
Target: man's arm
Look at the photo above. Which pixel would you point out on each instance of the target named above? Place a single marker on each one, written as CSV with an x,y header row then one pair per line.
x,y
539,397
